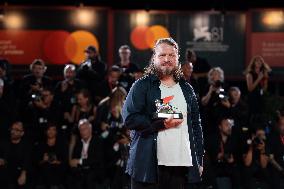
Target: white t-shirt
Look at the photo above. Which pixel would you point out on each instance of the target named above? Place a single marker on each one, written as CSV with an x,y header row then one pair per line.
x,y
173,145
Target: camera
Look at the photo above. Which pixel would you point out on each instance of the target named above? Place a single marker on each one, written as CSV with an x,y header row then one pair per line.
x,y
222,94
257,141
227,156
218,84
73,100
51,157
36,97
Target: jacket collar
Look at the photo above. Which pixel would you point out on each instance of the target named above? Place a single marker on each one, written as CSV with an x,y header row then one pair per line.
x,y
154,78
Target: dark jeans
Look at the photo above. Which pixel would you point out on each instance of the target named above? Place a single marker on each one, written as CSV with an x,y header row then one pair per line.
x,y
170,177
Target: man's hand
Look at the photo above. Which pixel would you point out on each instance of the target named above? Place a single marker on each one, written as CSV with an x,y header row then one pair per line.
x,y
39,104
261,147
104,126
74,162
195,76
55,162
231,159
22,178
64,86
66,115
226,103
220,156
212,88
200,169
45,157
35,87
2,162
171,122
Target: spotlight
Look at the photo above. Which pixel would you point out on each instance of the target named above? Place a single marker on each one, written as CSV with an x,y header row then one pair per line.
x,y
273,18
13,20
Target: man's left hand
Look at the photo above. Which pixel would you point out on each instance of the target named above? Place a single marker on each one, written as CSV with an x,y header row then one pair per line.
x,y
74,162
200,169
22,179
171,122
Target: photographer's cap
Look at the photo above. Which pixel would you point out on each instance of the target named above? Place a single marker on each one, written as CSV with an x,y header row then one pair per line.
x,y
91,48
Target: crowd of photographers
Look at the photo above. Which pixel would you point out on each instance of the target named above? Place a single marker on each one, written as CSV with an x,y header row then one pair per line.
x,y
69,133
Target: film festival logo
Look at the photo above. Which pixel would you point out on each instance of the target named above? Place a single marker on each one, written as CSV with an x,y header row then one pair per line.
x,y
205,36
201,33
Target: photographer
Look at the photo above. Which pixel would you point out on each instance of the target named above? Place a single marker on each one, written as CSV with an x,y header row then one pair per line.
x,y
34,83
238,108
222,149
128,68
255,160
92,70
41,110
187,69
110,82
52,158
276,154
65,96
215,102
83,109
201,69
65,90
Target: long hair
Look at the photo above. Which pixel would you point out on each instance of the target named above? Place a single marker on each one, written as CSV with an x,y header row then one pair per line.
x,y
117,97
251,66
151,69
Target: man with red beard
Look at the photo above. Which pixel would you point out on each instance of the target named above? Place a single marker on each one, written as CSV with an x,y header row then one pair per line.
x,y
164,152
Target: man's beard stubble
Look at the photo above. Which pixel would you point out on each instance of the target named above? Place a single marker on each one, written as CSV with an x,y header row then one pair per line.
x,y
165,72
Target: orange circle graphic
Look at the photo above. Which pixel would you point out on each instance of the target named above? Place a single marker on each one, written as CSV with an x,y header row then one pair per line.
x,y
53,47
77,42
154,33
144,37
138,36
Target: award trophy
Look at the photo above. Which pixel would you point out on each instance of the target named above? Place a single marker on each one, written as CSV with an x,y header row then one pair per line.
x,y
165,110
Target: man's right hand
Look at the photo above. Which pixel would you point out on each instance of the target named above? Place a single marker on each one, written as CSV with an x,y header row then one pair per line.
x,y
74,163
22,178
45,157
2,162
171,122
35,87
64,85
212,88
